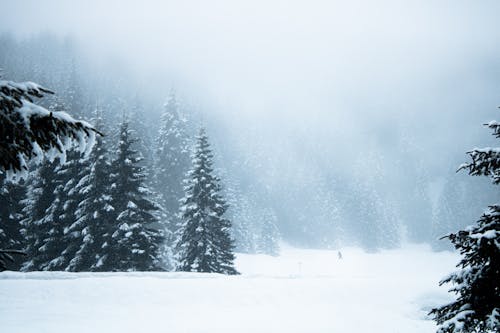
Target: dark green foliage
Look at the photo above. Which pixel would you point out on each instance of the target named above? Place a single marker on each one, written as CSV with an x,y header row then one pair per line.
x,y
41,188
477,307
93,214
133,243
28,130
205,244
10,224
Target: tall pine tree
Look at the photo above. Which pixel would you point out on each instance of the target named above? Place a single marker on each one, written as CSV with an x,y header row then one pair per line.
x,y
40,196
94,213
172,157
10,221
205,244
133,244
477,307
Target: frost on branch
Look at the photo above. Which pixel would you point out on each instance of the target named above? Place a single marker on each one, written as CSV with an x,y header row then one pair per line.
x,y
485,161
476,284
29,131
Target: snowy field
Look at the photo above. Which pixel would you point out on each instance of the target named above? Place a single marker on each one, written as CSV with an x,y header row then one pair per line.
x,y
306,291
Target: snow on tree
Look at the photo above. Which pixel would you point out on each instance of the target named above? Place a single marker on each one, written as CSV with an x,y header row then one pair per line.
x,y
28,130
10,222
205,244
240,213
477,307
268,237
93,213
374,220
40,196
133,243
61,240
172,157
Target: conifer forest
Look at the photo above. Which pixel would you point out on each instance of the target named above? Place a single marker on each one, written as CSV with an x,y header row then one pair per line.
x,y
235,166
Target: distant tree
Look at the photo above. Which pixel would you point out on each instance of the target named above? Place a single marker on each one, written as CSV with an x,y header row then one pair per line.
x,y
27,130
268,237
449,212
133,243
477,308
205,244
172,157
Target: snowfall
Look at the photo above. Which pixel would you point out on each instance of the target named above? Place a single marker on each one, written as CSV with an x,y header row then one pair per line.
x,y
306,291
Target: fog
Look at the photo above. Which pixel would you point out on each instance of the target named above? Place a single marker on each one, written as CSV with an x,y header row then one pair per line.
x,y
306,99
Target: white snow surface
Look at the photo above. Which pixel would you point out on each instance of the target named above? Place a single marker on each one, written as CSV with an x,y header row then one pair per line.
x,y
306,291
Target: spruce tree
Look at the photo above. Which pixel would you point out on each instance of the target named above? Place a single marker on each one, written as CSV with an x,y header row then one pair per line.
x,y
36,227
10,222
268,237
61,238
133,242
27,130
205,244
477,307
93,213
172,157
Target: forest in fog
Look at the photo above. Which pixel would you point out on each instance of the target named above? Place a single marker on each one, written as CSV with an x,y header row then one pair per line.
x,y
249,166
387,190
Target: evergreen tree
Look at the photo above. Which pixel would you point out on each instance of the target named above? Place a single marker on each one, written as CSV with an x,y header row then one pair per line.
x,y
268,237
61,241
57,238
477,308
93,213
27,130
205,244
10,220
449,213
133,243
40,196
172,157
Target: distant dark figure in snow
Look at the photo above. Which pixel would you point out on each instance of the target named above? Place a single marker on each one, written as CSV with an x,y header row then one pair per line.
x,y
339,255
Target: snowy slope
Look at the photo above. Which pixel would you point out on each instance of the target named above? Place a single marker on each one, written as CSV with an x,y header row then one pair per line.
x,y
301,291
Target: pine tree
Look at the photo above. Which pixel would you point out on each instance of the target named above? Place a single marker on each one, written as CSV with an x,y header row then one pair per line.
x,y
172,157
40,196
268,237
27,130
133,243
205,244
63,236
10,221
477,308
93,213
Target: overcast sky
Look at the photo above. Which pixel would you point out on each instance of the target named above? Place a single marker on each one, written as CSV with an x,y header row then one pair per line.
x,y
339,72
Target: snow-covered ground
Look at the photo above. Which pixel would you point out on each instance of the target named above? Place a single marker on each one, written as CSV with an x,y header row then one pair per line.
x,y
307,291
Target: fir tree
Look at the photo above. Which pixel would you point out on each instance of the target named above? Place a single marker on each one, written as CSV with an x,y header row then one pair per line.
x,y
62,234
477,308
268,237
133,243
10,221
93,213
27,130
172,157
40,196
205,244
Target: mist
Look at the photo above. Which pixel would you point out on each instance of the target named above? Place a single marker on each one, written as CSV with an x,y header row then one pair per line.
x,y
303,100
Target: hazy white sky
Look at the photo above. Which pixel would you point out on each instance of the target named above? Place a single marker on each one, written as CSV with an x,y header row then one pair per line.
x,y
336,66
